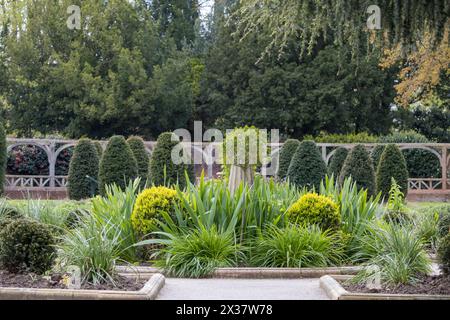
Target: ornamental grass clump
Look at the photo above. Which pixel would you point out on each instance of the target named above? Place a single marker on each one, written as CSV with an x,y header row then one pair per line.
x,y
296,247
196,253
26,246
314,209
150,206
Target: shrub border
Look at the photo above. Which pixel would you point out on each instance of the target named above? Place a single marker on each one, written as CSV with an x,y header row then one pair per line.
x,y
148,292
335,291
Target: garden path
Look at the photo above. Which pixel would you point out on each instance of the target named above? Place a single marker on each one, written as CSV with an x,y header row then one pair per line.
x,y
242,289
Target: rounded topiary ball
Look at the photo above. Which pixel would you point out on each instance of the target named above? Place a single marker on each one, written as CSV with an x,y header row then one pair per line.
x,y
314,209
358,165
307,168
336,163
26,246
392,165
149,206
118,165
286,154
83,171
443,253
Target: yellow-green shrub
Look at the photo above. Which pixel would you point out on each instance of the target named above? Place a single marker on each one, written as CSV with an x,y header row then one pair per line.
x,y
314,209
149,206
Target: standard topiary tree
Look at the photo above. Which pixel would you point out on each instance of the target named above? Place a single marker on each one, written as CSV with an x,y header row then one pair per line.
x,y
286,154
163,172
336,163
3,157
358,165
392,165
375,155
140,154
83,171
118,164
307,168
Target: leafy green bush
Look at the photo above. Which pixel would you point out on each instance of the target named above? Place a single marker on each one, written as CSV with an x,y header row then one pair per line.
x,y
197,253
314,209
118,165
94,248
375,155
83,171
99,148
140,154
163,172
337,161
392,165
359,167
26,245
307,168
420,163
149,207
296,247
396,208
444,253
398,252
3,157
286,154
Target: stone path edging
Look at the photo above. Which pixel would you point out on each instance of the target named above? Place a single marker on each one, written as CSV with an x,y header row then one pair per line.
x,y
148,292
336,292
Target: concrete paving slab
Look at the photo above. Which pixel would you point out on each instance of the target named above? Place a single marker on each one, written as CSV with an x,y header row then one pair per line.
x,y
242,289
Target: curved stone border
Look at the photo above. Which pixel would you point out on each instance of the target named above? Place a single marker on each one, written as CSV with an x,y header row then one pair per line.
x,y
336,292
251,273
148,292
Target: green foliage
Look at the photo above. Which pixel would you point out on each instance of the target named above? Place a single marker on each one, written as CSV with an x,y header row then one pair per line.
x,y
296,247
337,161
149,207
398,252
140,154
375,155
83,171
362,137
118,165
99,148
3,157
427,228
444,254
51,213
94,248
314,209
113,213
163,171
197,253
392,165
26,246
286,154
420,163
357,210
307,168
9,212
396,209
359,167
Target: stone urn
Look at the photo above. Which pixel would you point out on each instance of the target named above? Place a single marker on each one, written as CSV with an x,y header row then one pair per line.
x,y
239,174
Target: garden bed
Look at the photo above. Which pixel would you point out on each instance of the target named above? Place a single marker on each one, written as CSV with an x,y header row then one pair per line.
x,y
429,288
18,287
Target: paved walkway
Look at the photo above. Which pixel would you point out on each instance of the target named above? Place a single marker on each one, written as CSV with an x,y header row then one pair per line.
x,y
241,289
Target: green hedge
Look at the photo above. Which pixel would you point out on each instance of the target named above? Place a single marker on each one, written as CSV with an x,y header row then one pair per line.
x,y
392,165
358,165
286,154
375,155
307,168
83,171
118,164
3,157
